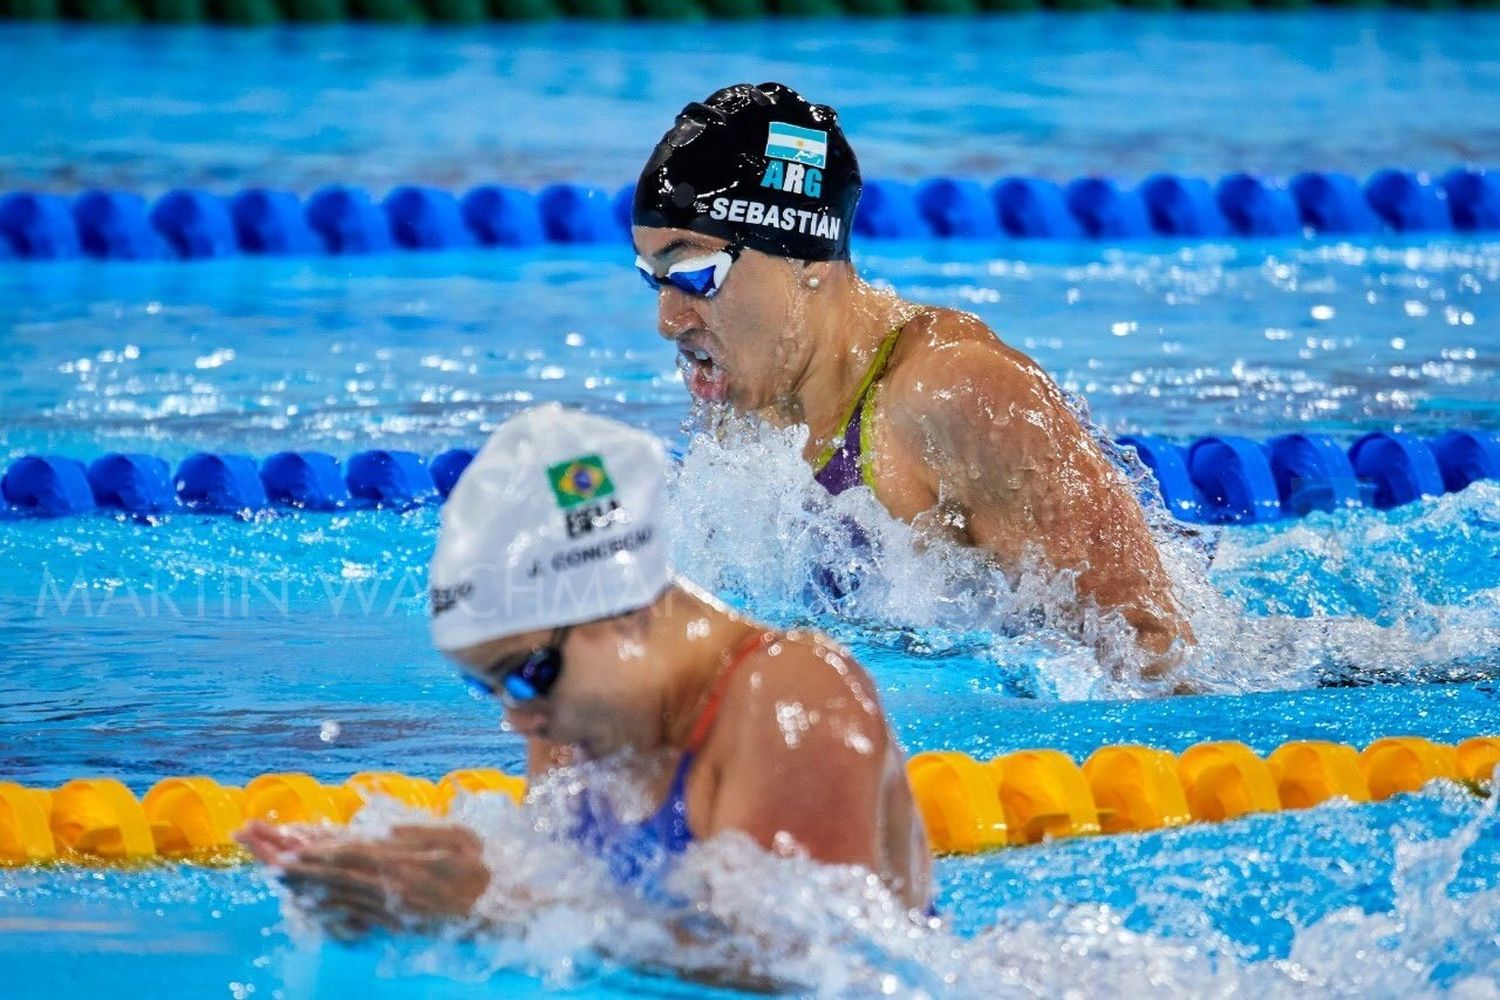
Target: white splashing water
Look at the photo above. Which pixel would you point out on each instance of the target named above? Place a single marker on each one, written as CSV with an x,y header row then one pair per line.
x,y
751,918
747,520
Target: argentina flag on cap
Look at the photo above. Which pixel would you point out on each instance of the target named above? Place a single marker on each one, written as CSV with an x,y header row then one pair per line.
x,y
797,144
762,166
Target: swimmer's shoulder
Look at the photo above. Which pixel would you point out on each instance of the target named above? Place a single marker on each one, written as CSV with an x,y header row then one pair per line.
x,y
945,355
803,680
939,329
801,755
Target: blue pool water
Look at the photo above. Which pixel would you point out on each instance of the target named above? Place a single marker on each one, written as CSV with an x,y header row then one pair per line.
x,y
1248,338
1058,96
297,641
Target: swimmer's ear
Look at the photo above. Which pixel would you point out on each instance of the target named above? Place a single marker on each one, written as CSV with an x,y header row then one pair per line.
x,y
815,273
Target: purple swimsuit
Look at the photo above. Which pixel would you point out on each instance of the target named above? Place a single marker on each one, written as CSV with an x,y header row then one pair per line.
x,y
841,467
841,472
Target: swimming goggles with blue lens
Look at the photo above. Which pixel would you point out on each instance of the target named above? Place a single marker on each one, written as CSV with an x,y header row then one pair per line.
x,y
523,677
699,276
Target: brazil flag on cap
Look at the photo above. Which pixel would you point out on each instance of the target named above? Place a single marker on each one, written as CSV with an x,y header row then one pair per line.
x,y
579,480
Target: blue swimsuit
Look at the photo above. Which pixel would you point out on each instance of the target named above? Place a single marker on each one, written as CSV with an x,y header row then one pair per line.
x,y
642,854
638,854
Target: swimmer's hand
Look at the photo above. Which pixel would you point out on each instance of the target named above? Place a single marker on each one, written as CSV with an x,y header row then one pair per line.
x,y
417,877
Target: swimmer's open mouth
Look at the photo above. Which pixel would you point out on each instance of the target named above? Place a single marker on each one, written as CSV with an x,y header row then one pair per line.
x,y
701,372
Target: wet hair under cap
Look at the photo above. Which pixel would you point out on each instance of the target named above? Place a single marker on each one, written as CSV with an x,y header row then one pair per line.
x,y
759,166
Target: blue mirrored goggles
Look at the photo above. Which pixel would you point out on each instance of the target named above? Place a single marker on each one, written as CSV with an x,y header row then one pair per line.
x,y
522,677
699,276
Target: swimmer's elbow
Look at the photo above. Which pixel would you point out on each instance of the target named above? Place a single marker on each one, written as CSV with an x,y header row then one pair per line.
x,y
1163,637
1159,627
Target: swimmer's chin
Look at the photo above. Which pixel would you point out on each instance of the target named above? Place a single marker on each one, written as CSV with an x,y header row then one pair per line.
x,y
715,401
578,753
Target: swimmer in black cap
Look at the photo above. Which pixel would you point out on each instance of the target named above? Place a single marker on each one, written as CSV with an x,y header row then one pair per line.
x,y
742,219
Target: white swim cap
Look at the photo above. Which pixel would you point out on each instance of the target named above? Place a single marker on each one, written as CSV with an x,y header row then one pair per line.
x,y
556,522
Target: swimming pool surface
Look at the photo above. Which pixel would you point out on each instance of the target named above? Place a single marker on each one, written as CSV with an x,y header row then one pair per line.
x,y
1116,93
297,641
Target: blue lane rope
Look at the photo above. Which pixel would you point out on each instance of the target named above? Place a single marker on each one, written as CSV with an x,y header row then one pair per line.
x,y
1220,479
194,224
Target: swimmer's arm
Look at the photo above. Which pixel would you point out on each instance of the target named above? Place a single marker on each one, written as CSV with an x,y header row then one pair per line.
x,y
1001,446
417,876
422,878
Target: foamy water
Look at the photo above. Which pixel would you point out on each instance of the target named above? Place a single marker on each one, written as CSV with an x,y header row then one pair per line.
x,y
322,622
750,918
1405,593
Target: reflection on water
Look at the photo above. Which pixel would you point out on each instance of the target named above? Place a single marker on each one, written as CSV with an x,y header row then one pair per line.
x,y
1395,899
295,642
425,351
1061,96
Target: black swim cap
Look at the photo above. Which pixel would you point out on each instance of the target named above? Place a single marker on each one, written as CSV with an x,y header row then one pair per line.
x,y
760,166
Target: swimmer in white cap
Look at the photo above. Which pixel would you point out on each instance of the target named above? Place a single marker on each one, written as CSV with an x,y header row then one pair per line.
x,y
552,590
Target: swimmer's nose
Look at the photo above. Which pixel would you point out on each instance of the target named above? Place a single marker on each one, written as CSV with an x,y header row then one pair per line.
x,y
528,722
675,313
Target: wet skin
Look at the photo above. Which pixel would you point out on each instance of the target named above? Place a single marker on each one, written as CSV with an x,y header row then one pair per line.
x,y
798,754
970,438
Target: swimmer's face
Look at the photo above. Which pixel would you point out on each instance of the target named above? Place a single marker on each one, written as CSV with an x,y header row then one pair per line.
x,y
599,702
741,347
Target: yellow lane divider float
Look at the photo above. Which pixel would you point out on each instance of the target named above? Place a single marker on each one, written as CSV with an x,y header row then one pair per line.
x,y
968,806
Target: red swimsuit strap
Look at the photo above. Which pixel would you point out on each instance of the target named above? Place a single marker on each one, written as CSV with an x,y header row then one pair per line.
x,y
705,720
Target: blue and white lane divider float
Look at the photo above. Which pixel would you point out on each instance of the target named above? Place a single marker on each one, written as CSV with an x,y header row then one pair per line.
x,y
227,483
1216,480
340,219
